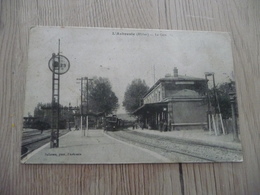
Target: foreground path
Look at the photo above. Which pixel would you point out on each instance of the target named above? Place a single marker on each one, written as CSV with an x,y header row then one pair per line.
x,y
179,149
96,147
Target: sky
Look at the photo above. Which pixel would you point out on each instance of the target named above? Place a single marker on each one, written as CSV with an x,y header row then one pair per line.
x,y
121,55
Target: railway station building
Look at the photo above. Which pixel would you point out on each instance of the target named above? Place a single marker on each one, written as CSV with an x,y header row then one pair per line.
x,y
178,101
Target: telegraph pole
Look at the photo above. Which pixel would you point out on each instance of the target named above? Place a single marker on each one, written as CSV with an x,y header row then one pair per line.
x,y
88,90
87,100
83,97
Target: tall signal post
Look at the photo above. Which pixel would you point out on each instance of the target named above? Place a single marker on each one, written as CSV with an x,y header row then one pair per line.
x,y
59,65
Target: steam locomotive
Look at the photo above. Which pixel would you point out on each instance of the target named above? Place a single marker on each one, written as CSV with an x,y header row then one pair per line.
x,y
113,123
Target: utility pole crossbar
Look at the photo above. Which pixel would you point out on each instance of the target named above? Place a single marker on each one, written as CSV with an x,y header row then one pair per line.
x,y
83,98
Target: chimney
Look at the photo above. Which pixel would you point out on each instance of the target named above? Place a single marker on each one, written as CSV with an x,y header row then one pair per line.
x,y
175,72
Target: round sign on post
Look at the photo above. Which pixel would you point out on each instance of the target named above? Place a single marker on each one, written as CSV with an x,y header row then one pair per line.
x,y
59,64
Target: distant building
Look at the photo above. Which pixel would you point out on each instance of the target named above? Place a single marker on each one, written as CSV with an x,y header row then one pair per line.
x,y
176,100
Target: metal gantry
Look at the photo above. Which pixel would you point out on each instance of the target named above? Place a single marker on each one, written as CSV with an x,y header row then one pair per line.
x,y
55,103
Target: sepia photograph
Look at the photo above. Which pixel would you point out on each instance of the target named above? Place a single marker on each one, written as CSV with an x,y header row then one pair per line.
x,y
113,96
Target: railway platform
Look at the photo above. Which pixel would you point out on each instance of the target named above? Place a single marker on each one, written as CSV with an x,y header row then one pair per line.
x,y
96,147
198,136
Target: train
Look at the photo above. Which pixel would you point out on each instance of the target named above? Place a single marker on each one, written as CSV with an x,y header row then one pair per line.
x,y
36,123
113,123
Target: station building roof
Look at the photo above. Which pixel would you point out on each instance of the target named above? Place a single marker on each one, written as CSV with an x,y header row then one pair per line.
x,y
174,78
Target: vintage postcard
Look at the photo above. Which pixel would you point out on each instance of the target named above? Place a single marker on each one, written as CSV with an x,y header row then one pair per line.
x,y
108,96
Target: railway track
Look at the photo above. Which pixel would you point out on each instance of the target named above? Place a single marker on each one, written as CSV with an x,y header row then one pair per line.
x,y
34,133
32,141
33,138
179,150
31,145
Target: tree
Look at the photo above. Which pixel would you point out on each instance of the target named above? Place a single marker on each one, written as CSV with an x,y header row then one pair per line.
x,y
101,98
38,111
134,94
44,113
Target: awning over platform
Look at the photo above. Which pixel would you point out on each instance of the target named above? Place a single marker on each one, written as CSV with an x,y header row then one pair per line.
x,y
159,107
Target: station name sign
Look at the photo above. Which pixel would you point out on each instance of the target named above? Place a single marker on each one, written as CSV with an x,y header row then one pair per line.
x,y
59,64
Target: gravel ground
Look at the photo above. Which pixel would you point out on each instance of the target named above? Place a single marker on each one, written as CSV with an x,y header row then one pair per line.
x,y
178,150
